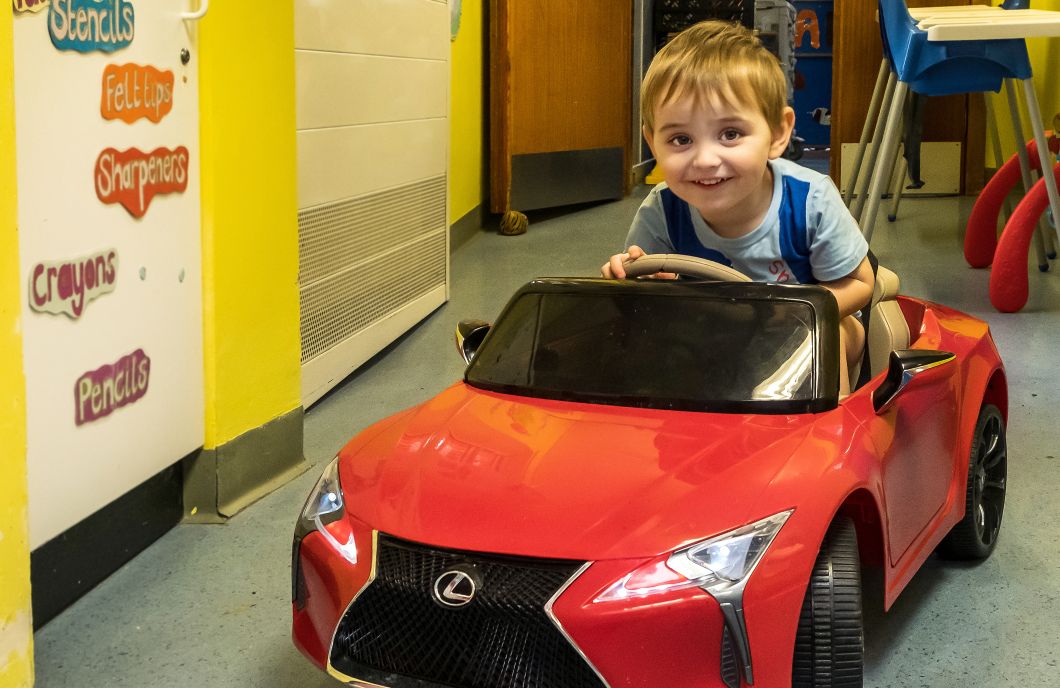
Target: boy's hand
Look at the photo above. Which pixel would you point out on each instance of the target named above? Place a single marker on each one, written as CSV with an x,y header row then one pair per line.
x,y
616,269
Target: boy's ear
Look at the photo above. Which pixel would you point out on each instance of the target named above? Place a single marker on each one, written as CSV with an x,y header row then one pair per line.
x,y
782,134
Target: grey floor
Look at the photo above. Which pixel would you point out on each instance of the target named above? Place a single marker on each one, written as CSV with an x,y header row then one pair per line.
x,y
210,605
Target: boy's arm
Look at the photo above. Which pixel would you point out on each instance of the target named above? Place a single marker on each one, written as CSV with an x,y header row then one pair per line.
x,y
648,230
854,291
837,242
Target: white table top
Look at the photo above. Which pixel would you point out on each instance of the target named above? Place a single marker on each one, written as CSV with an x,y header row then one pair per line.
x,y
982,22
921,12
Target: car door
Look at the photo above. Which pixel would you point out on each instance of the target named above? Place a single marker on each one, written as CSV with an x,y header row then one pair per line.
x,y
916,438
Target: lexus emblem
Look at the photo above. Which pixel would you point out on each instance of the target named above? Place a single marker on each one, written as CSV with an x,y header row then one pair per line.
x,y
454,588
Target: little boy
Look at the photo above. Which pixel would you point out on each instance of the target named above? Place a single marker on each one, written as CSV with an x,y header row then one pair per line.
x,y
715,116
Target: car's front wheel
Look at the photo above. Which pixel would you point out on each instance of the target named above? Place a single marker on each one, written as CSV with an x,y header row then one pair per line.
x,y
829,645
975,535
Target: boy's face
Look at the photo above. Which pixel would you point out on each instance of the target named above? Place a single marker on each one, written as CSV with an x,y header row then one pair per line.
x,y
713,155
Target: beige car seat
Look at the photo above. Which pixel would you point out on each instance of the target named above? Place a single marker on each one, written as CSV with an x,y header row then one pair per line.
x,y
888,329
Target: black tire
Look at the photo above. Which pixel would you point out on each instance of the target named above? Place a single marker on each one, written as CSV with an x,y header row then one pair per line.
x,y
975,535
830,642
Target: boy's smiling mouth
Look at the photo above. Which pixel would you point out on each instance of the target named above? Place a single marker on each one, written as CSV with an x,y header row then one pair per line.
x,y
711,182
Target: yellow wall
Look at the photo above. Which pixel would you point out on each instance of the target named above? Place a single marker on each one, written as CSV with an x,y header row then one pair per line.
x,y
467,134
249,216
1045,63
16,634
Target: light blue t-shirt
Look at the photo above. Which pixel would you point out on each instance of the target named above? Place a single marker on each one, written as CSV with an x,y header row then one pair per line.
x,y
807,236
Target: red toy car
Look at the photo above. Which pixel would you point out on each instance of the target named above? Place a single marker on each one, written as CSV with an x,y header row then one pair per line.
x,y
653,483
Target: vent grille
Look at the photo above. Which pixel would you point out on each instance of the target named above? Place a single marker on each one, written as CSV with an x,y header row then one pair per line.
x,y
502,639
337,235
336,308
730,670
342,246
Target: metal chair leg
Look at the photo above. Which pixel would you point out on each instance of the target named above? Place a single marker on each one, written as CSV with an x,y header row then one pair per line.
x,y
1025,168
1050,238
882,173
994,133
896,192
903,162
895,160
1043,148
874,149
871,116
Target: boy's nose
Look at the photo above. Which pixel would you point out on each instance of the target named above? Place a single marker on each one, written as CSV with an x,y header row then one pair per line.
x,y
707,157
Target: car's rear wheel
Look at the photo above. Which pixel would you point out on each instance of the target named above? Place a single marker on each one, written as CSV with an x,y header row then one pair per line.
x,y
829,645
975,535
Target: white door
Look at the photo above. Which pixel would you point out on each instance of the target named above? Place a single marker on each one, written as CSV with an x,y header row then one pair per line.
x,y
107,136
373,136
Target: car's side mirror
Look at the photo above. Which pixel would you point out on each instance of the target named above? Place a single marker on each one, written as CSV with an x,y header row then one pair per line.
x,y
907,365
469,336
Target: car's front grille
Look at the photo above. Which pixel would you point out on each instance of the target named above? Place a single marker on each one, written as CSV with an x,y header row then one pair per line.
x,y
502,638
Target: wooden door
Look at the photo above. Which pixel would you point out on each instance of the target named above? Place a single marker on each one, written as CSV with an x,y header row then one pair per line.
x,y
560,81
858,52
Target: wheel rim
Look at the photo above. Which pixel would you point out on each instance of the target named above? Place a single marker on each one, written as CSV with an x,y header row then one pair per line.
x,y
991,464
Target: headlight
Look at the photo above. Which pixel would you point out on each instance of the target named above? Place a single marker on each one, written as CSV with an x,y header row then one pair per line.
x,y
715,565
726,560
720,566
324,507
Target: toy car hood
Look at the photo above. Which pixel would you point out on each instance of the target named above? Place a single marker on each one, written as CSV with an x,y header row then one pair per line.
x,y
483,471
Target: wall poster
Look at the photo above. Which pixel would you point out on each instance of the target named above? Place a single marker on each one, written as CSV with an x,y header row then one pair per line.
x,y
68,286
132,177
88,25
132,91
29,5
110,249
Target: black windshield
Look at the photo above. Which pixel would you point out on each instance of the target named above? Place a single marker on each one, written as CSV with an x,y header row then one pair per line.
x,y
693,351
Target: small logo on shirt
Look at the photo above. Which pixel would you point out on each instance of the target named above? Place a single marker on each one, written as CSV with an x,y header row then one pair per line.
x,y
779,271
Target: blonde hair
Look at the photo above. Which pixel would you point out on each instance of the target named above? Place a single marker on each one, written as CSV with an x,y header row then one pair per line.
x,y
715,59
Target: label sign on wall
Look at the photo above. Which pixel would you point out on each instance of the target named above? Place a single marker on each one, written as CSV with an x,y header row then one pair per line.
x,y
29,5
88,25
100,392
132,177
68,286
133,91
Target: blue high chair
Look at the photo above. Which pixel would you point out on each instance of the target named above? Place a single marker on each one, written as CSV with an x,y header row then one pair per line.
x,y
914,63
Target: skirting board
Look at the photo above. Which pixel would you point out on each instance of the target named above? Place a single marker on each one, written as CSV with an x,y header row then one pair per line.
x,y
78,559
549,180
940,168
473,222
220,482
328,369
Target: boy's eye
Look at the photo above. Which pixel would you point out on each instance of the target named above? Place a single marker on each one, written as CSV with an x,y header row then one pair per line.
x,y
731,134
680,140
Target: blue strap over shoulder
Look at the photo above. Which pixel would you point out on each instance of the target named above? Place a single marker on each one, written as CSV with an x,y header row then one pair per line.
x,y
794,246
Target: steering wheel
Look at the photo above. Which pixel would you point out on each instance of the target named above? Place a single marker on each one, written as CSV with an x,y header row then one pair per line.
x,y
690,266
